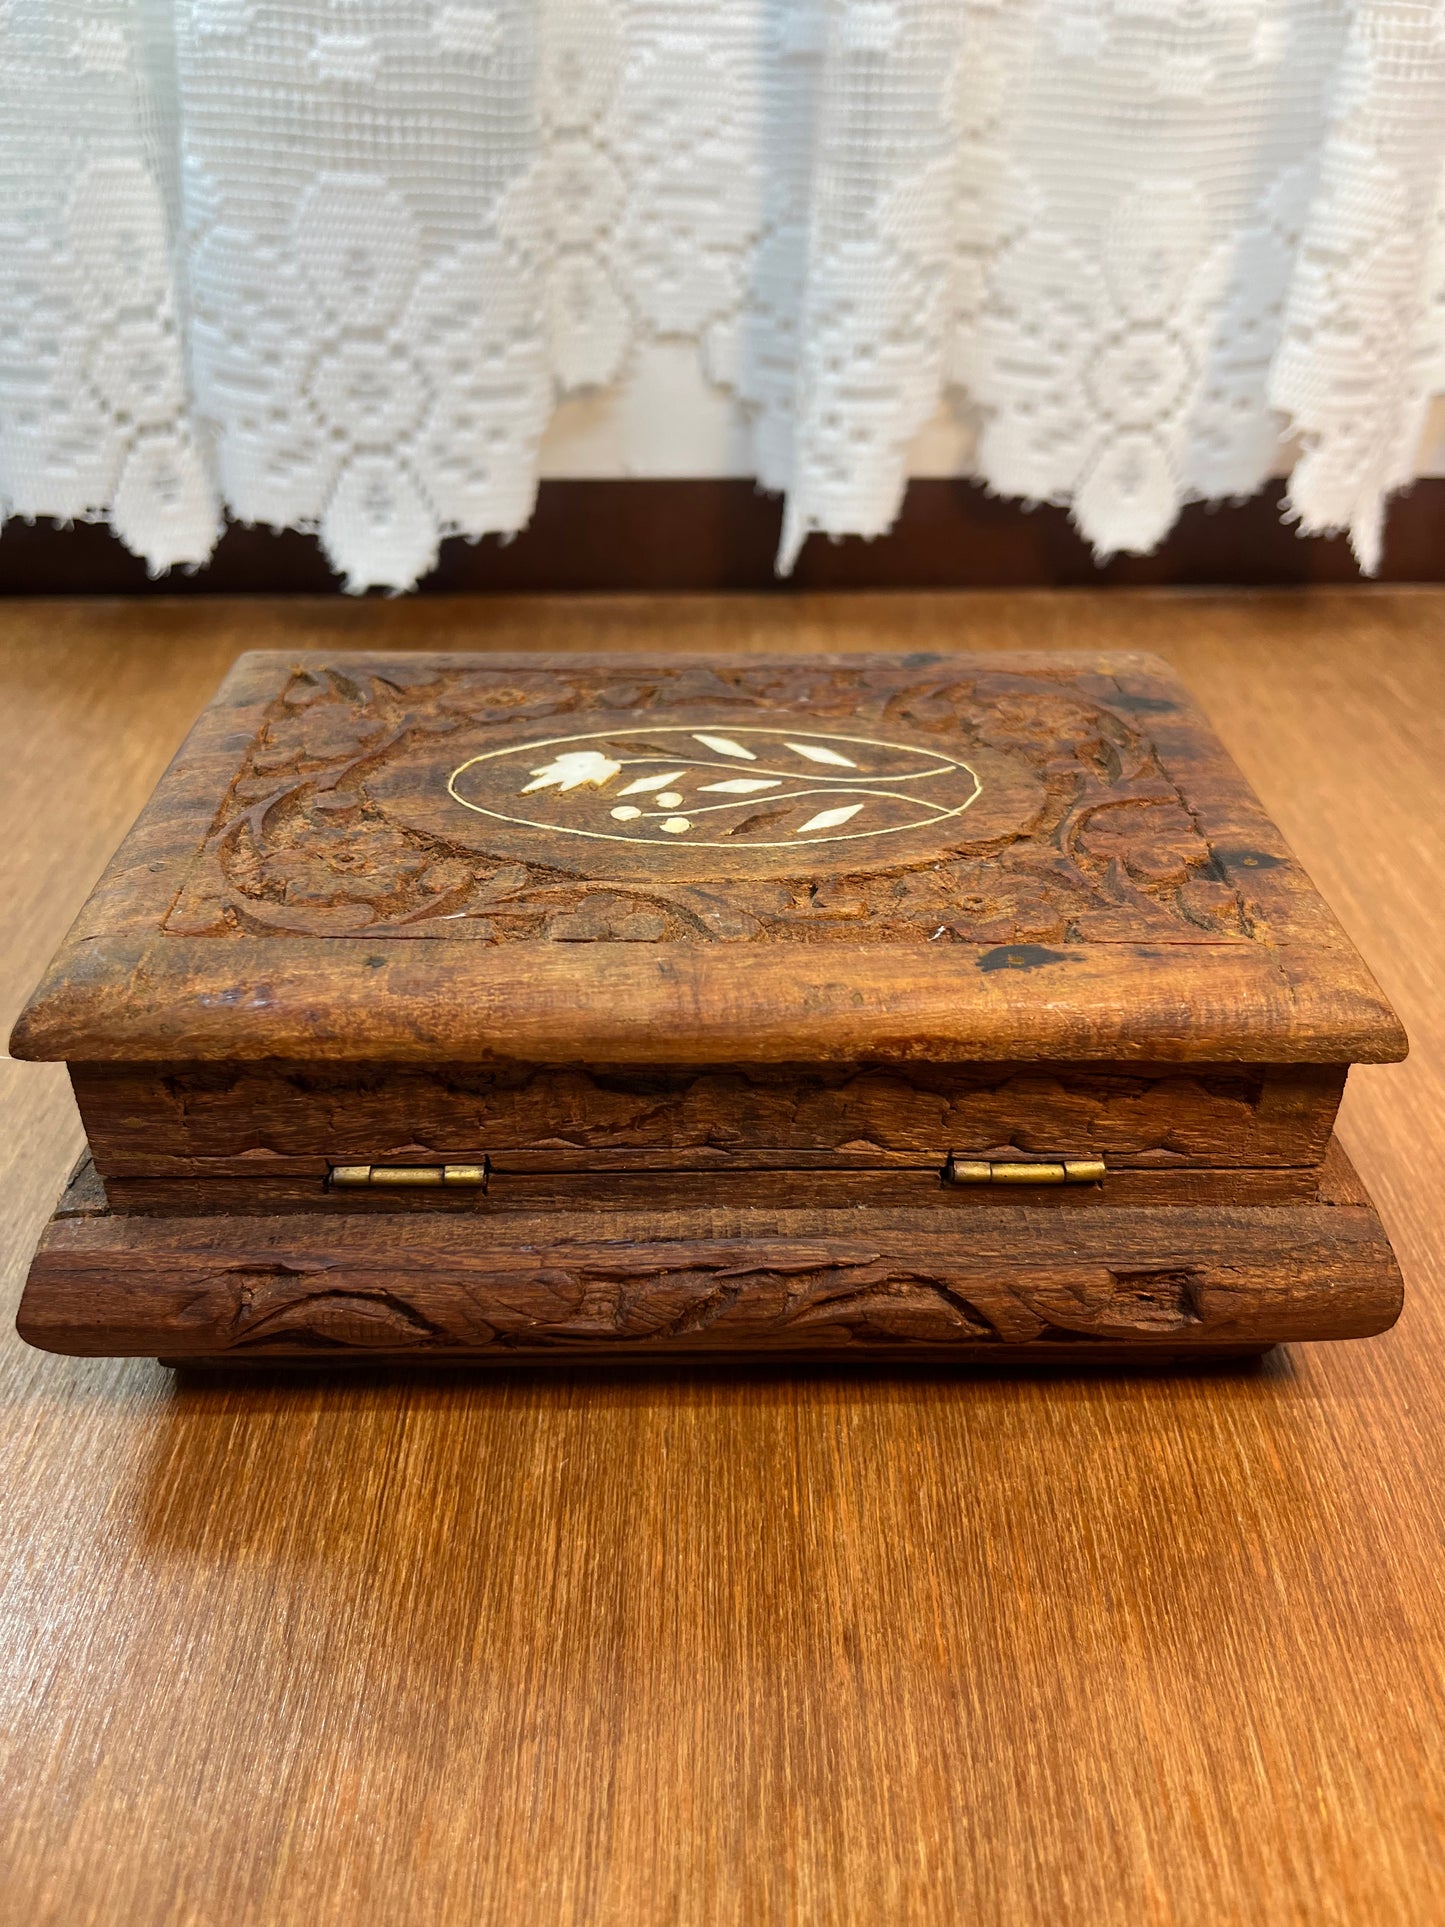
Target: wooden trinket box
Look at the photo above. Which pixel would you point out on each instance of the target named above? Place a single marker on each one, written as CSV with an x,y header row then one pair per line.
x,y
509,1008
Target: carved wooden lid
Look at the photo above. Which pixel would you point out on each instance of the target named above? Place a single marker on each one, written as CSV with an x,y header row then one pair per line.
x,y
626,859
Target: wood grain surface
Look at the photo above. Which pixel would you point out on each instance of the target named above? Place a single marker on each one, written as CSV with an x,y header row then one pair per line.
x,y
816,1647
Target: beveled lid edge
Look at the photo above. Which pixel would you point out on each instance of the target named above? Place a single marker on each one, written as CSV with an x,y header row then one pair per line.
x,y
120,989
606,1003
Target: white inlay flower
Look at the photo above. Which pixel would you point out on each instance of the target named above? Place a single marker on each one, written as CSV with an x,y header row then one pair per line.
x,y
572,769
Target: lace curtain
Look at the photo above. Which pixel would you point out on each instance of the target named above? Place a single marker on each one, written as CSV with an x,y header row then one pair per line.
x,y
330,264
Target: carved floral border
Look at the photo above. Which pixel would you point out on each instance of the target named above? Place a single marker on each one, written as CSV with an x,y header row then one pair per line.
x,y
301,847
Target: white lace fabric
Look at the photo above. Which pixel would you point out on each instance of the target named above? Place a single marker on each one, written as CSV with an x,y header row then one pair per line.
x,y
329,264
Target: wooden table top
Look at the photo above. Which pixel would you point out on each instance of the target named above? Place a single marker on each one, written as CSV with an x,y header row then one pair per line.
x,y
815,1648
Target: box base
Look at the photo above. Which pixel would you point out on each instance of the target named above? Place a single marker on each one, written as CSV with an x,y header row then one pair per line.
x,y
1011,1285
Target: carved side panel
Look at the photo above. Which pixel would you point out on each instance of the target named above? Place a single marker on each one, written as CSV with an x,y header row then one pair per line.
x,y
713,1281
704,1306
1230,1115
293,1290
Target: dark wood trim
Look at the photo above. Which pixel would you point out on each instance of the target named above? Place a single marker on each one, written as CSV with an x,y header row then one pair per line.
x,y
723,535
867,1282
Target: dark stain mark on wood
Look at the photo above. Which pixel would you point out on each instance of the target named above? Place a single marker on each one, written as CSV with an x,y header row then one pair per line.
x,y
1022,956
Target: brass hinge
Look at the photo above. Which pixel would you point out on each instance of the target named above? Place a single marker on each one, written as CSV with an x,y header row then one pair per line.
x,y
385,1176
1017,1171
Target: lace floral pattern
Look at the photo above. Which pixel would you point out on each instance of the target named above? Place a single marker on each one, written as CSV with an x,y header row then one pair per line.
x,y
365,269
94,410
1364,339
329,264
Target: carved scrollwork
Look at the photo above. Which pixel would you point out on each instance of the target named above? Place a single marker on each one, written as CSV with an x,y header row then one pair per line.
x,y
705,1305
312,841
